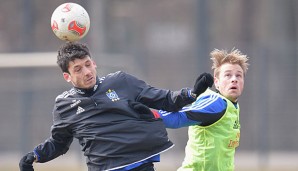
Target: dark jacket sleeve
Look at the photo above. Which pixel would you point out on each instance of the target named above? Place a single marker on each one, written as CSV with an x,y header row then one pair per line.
x,y
57,144
159,98
54,146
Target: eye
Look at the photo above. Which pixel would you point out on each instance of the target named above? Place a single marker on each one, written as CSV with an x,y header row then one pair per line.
x,y
239,76
77,69
227,75
88,64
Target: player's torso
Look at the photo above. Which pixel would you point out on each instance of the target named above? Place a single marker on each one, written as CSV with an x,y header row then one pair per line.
x,y
110,132
213,147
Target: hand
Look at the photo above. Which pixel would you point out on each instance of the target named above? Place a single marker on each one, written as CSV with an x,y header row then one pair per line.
x,y
143,110
204,81
26,162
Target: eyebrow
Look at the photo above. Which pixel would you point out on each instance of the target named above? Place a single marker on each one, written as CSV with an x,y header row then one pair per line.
x,y
238,71
88,60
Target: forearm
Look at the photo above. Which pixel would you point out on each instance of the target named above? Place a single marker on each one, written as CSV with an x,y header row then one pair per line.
x,y
175,120
182,98
165,99
50,149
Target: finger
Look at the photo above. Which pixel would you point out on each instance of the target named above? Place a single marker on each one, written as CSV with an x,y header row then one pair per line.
x,y
29,159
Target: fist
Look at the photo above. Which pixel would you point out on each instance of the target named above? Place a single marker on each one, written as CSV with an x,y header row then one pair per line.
x,y
26,162
204,81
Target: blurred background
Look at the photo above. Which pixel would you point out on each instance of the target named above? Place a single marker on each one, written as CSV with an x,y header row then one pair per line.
x,y
167,44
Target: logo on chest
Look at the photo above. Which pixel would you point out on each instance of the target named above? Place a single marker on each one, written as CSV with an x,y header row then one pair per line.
x,y
112,95
236,125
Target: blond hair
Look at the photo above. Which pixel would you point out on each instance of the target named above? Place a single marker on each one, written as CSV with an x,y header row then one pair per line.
x,y
220,57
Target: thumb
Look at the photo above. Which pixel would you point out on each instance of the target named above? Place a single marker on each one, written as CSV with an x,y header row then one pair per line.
x,y
30,158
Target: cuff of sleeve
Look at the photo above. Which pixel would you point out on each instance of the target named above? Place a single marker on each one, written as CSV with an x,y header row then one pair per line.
x,y
191,95
155,113
36,156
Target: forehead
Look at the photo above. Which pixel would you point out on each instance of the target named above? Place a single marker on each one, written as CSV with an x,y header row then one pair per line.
x,y
79,61
227,67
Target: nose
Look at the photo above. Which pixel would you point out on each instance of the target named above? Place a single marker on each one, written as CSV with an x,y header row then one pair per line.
x,y
86,71
234,79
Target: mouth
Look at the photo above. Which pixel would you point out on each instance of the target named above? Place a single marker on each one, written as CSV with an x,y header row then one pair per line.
x,y
90,79
233,88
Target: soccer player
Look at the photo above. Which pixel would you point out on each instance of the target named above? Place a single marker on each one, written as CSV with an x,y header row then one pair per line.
x,y
213,119
97,111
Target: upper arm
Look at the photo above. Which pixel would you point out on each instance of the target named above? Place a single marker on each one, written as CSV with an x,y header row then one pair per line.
x,y
207,109
176,119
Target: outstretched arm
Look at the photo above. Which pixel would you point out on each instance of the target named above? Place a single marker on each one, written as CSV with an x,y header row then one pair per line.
x,y
205,111
162,99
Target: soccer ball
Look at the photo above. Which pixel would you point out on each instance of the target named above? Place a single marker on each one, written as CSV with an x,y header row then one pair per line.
x,y
70,22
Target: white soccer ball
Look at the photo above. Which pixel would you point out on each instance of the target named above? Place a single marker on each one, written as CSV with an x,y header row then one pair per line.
x,y
70,22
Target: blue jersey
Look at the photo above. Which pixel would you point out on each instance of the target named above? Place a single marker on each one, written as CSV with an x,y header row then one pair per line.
x,y
206,110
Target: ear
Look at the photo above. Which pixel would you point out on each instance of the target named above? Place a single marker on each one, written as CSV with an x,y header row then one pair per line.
x,y
216,82
66,76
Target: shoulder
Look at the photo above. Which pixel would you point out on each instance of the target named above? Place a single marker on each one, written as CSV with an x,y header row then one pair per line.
x,y
62,102
66,94
210,96
209,101
116,74
121,76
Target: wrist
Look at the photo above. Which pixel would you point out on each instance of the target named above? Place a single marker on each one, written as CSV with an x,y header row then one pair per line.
x,y
191,94
35,157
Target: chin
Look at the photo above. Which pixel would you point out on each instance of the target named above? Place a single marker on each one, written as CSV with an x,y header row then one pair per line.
x,y
233,98
90,84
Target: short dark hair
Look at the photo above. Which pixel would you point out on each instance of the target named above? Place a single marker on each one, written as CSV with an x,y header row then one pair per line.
x,y
70,51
